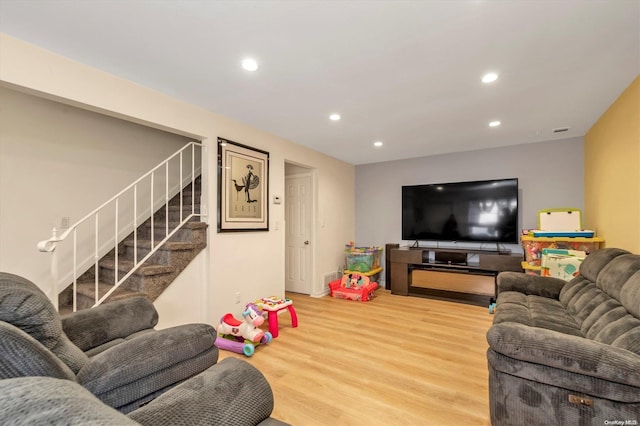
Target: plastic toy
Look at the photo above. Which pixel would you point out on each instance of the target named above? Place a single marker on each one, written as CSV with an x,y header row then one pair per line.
x,y
353,286
272,305
242,336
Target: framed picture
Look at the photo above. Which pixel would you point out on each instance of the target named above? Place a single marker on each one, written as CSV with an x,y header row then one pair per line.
x,y
243,188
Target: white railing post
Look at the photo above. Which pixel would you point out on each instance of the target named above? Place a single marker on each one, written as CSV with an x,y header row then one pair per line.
x,y
96,259
193,178
75,268
135,225
53,291
152,212
115,240
166,198
180,180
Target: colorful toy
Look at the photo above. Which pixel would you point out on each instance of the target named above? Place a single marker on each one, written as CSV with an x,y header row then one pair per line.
x,y
353,286
362,259
272,305
242,336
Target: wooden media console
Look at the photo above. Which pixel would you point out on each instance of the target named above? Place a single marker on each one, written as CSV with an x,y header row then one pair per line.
x,y
468,277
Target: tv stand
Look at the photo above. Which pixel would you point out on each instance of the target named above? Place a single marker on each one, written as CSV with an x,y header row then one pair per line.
x,y
467,275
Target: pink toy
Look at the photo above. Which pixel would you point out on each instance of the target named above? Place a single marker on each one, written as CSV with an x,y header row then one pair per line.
x,y
242,336
272,305
239,345
248,328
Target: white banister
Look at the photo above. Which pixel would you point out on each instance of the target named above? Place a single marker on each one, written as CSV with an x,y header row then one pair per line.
x,y
52,243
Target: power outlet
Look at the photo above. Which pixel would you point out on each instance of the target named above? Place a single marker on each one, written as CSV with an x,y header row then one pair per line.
x,y
238,297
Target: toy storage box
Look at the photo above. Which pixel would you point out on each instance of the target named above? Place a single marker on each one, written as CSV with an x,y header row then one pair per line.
x,y
558,229
362,259
533,246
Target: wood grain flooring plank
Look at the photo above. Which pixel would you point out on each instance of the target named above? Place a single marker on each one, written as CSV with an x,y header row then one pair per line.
x,y
395,360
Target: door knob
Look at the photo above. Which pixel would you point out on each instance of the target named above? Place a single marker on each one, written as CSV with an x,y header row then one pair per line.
x,y
306,243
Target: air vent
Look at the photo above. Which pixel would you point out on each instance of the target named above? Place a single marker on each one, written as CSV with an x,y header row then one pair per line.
x,y
561,130
331,276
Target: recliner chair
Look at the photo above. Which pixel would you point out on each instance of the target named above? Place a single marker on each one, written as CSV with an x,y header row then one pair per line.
x,y
114,352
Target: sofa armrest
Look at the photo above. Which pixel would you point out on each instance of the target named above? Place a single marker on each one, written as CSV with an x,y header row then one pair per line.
x,y
231,392
530,284
22,355
137,368
50,401
90,328
565,352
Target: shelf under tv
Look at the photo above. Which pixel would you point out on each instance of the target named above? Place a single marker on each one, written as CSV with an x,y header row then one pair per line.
x,y
414,273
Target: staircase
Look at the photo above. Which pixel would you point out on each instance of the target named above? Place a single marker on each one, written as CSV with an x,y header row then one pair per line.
x,y
159,271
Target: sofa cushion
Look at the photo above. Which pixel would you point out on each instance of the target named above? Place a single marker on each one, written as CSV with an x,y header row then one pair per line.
x,y
535,311
607,310
50,401
621,278
120,319
24,305
593,264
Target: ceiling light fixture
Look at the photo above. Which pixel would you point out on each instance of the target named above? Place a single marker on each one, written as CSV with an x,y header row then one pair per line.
x,y
249,64
377,144
334,117
494,123
489,77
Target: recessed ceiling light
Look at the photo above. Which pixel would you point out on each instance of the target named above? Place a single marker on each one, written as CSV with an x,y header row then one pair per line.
x,y
377,144
489,77
334,117
249,64
494,123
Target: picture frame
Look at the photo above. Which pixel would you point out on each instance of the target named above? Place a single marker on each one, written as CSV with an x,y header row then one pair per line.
x,y
243,187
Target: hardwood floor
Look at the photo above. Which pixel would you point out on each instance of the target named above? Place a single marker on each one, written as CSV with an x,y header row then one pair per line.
x,y
393,361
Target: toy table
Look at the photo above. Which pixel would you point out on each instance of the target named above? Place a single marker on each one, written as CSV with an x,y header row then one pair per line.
x,y
273,305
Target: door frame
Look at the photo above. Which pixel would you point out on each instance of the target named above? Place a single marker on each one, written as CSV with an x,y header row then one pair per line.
x,y
310,172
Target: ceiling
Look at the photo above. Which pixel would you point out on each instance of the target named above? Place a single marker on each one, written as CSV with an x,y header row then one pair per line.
x,y
406,73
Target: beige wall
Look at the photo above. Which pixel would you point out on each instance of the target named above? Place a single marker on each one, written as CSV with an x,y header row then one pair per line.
x,y
249,263
612,172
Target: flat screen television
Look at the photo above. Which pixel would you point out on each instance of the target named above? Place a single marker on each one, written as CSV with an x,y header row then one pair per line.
x,y
480,211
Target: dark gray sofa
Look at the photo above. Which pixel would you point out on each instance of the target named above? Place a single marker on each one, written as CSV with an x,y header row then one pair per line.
x,y
114,352
568,353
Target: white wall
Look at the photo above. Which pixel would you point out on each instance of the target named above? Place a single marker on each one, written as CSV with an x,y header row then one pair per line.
x,y
550,174
249,263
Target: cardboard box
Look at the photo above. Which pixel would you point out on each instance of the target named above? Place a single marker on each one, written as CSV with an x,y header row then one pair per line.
x,y
563,264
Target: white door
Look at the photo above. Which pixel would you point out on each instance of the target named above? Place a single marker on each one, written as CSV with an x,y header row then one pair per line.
x,y
299,247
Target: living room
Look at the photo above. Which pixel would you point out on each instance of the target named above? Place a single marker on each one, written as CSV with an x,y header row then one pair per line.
x,y
597,172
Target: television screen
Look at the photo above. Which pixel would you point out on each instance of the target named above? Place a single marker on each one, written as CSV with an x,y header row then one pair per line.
x,y
481,211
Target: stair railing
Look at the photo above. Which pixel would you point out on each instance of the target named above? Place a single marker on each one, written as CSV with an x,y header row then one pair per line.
x,y
51,244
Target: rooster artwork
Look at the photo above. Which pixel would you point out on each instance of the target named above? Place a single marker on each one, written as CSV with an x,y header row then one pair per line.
x,y
244,192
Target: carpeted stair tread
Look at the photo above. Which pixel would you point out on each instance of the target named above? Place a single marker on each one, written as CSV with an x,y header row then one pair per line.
x,y
87,289
169,245
125,265
173,225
